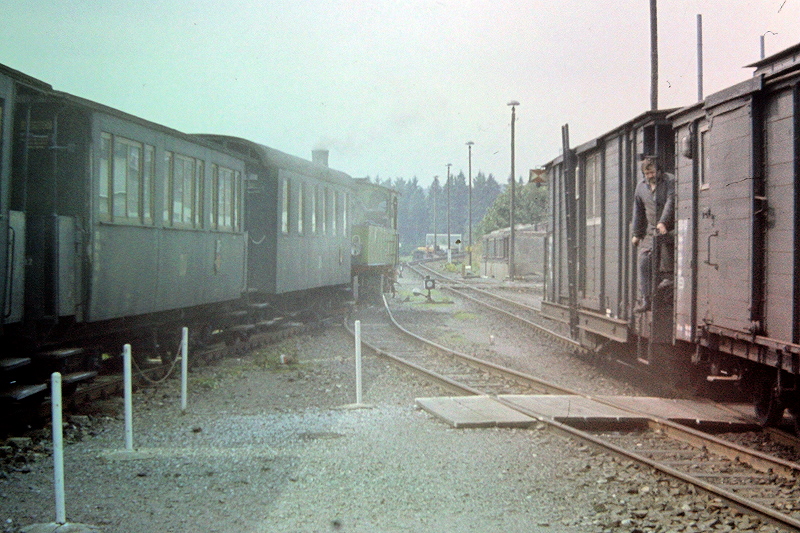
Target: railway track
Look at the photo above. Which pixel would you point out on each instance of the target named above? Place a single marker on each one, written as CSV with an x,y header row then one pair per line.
x,y
750,480
521,312
22,415
457,372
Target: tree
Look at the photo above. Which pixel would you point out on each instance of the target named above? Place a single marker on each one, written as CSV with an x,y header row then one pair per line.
x,y
530,206
412,214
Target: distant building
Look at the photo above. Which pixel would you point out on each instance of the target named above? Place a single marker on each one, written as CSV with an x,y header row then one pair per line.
x,y
530,249
456,244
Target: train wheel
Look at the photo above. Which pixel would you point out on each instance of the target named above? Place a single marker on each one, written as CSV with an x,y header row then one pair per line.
x,y
768,405
795,412
166,344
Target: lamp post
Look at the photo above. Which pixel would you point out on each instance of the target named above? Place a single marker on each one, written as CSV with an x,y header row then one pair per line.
x,y
511,269
763,54
469,147
435,236
448,212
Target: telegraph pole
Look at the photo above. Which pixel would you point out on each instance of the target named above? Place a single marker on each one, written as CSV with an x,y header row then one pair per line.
x,y
511,266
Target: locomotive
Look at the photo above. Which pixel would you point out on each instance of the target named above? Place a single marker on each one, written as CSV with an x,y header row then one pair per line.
x,y
730,307
119,230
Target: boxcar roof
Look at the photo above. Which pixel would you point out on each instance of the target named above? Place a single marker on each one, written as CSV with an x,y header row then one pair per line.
x,y
781,62
647,116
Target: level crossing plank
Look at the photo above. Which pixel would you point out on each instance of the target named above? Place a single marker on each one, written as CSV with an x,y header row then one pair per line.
x,y
568,407
474,412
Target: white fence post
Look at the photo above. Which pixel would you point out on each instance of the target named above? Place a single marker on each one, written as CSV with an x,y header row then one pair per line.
x,y
358,362
184,367
58,448
128,393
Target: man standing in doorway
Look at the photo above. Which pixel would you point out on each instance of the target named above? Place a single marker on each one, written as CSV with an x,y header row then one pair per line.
x,y
653,213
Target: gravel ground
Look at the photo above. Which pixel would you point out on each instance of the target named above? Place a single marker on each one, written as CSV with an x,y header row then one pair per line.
x,y
266,447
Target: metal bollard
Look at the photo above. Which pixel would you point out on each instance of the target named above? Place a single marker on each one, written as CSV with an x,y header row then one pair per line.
x,y
128,393
58,447
184,368
358,362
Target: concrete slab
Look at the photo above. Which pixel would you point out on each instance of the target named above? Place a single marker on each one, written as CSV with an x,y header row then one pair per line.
x,y
474,412
485,411
564,408
682,411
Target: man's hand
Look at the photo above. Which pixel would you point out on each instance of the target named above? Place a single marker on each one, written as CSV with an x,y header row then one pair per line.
x,y
635,240
662,229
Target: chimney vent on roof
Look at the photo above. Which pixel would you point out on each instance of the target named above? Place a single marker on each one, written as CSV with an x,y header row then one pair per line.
x,y
320,157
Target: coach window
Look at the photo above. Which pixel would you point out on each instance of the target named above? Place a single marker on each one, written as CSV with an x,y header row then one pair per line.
x,y
301,208
227,186
345,205
334,211
284,206
324,208
184,189
148,183
125,180
103,206
313,209
199,194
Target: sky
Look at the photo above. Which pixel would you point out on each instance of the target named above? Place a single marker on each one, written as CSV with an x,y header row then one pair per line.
x,y
392,88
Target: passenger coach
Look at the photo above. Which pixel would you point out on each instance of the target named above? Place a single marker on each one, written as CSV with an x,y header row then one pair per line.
x,y
297,217
124,218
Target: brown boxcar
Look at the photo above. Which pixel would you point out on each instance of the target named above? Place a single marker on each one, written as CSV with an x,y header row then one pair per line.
x,y
738,224
594,187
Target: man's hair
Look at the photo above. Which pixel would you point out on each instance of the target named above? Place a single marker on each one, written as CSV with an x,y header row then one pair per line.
x,y
650,161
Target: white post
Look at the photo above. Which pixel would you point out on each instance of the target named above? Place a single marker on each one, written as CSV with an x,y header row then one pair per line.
x,y
184,367
128,393
358,362
58,448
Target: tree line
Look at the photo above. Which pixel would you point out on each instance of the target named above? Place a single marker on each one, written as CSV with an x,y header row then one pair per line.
x,y
490,207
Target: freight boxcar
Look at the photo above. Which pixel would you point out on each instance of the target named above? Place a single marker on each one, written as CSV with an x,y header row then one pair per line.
x,y
730,309
591,271
737,280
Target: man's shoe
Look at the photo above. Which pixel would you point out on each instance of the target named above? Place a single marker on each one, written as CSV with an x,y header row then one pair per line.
x,y
642,307
666,283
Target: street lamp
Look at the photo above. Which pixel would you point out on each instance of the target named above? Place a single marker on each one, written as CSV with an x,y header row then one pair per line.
x,y
448,212
762,41
469,147
435,235
511,269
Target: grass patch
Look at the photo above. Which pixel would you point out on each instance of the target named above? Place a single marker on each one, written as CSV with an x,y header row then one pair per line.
x,y
203,382
464,315
269,357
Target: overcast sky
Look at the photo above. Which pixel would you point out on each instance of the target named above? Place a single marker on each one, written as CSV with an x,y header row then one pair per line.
x,y
393,88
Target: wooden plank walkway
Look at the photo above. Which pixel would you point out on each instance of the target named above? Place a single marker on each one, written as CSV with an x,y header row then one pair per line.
x,y
485,411
474,412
